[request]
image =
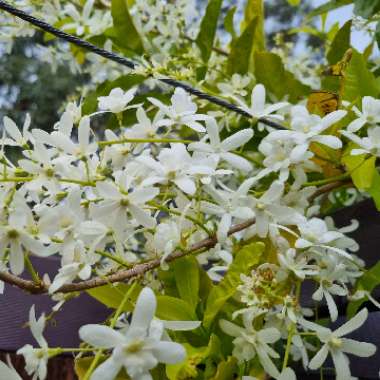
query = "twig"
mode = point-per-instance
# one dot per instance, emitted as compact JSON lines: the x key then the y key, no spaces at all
{"x":141,"y":269}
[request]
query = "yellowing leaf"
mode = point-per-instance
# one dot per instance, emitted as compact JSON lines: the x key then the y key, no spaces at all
{"x":322,"y":102}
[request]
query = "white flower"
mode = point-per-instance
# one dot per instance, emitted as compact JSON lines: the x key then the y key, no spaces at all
{"x":222,"y":149}
{"x":140,"y":347}
{"x":248,"y":342}
{"x":370,"y":114}
{"x":308,"y":128}
{"x":182,"y":111}
{"x":370,"y":144}
{"x":16,"y":137}
{"x":145,"y":128}
{"x":229,"y":205}
{"x":258,"y":108}
{"x":117,"y":101}
{"x":314,"y":232}
{"x":174,"y":165}
{"x":236,"y":86}
{"x":120,"y":200}
{"x":338,"y":347}
{"x":298,"y":264}
{"x":36,"y":358}
{"x":268,"y":209}
{"x":16,"y":236}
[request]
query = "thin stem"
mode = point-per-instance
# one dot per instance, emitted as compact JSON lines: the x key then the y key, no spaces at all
{"x":326,"y":181}
{"x":31,"y":270}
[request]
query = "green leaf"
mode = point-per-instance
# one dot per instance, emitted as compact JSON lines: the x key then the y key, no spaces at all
{"x":270,"y":71}
{"x":207,"y":32}
{"x":361,"y":169}
{"x":112,"y":295}
{"x":340,"y":44}
{"x":247,"y":257}
{"x":241,"y":50}
{"x":294,"y":3}
{"x":377,"y":34}
{"x":359,"y":81}
{"x":374,"y":190}
{"x":127,"y":35}
{"x":368,"y":282}
{"x":186,"y":272}
{"x":328,"y":6}
{"x":174,"y":309}
{"x":229,"y":22}
{"x":366,"y":8}
{"x":255,"y":10}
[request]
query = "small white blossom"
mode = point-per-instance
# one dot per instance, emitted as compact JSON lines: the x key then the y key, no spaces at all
{"x":117,"y":101}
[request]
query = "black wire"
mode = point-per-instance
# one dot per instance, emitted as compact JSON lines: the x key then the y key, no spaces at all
{"x":127,"y":62}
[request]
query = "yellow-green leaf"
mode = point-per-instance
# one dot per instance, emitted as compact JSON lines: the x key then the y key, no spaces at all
{"x":127,"y":35}
{"x":174,"y":309}
{"x":361,"y":168}
{"x":186,"y":273}
{"x":112,"y":295}
{"x":244,"y":260}
{"x":359,"y":81}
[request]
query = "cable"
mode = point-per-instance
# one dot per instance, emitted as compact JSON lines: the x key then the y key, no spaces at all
{"x":127,"y":62}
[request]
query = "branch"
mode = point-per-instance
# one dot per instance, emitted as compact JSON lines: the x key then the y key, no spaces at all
{"x":141,"y":269}
{"x":124,"y":275}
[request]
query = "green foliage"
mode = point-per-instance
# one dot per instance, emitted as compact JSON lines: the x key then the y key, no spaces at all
{"x":207,"y":32}
{"x":112,"y":295}
{"x":127,"y":36}
{"x":374,"y":190}
{"x":365,"y":8}
{"x":248,"y":256}
{"x":294,"y":3}
{"x":361,"y":168}
{"x":254,"y":9}
{"x":186,"y":272}
{"x":359,"y":81}
{"x":340,"y":44}
{"x":174,"y":309}
{"x":229,"y":22}
{"x":241,"y":50}
{"x":270,"y":71}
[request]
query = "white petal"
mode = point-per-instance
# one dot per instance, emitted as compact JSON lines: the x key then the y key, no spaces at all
{"x":331,"y":141}
{"x":213,"y":131}
{"x":361,"y":349}
{"x":144,"y":310}
{"x":181,"y":325}
{"x":107,"y":370}
{"x":16,"y":258}
{"x":356,"y":124}
{"x":186,"y":184}
{"x":352,"y":324}
{"x":223,"y":227}
{"x":230,"y":328}
{"x":258,"y":99}
{"x":237,"y":140}
{"x":287,"y":374}
{"x":319,"y":358}
{"x":142,"y":217}
{"x":333,"y":310}
{"x":12,"y":129}
{"x":101,"y":336}
{"x":341,"y":364}
{"x":237,"y":161}
{"x":143,"y":195}
{"x":269,"y":335}
{"x":169,"y":352}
